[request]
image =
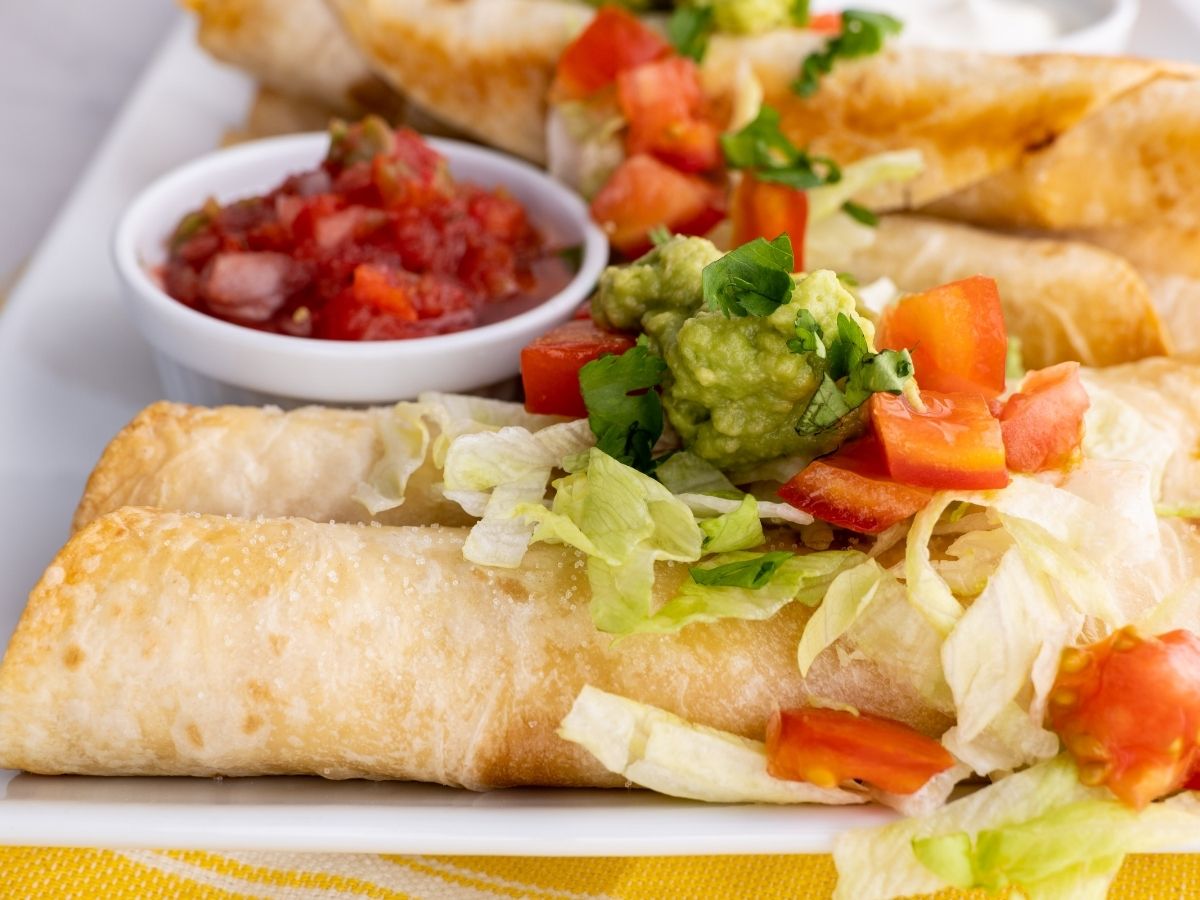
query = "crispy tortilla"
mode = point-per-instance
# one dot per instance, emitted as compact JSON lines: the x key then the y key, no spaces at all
{"x":1168,"y":259}
{"x":251,"y":461}
{"x":168,"y":644}
{"x":970,"y":114}
{"x":297,"y":48}
{"x":485,"y":65}
{"x":1132,"y":163}
{"x":481,"y":65}
{"x":1064,"y":299}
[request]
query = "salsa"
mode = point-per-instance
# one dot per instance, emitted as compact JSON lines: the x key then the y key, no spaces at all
{"x":378,"y":242}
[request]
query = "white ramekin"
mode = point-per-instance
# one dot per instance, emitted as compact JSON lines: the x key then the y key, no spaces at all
{"x":205,"y":360}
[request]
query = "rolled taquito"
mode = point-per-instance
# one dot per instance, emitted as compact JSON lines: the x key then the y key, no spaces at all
{"x":295,"y":47}
{"x":1168,"y":259}
{"x":1065,"y":300}
{"x":486,"y":65}
{"x":250,"y":461}
{"x":1132,"y":163}
{"x":312,"y":462}
{"x":168,"y":644}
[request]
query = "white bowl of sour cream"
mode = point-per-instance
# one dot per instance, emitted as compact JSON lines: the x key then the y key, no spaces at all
{"x":1012,"y":26}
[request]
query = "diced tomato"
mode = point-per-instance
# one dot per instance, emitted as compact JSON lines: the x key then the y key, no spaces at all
{"x":550,"y":365}
{"x":825,"y":23}
{"x":851,"y":489}
{"x":345,"y":318}
{"x":828,"y":747}
{"x":1128,"y":710}
{"x":956,"y":335}
{"x":250,"y":286}
{"x":644,"y":193}
{"x":763,"y":209}
{"x":955,"y":443}
{"x":373,"y":287}
{"x":1043,"y":422}
{"x":664,"y":105}
{"x":615,"y":40}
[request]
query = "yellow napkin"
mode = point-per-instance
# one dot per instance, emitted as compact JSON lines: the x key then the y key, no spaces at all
{"x":45,"y":874}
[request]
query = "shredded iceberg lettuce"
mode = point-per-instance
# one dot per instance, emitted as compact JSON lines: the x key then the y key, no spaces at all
{"x":847,"y":599}
{"x":738,"y":529}
{"x":686,"y":473}
{"x":710,"y":505}
{"x":624,"y":521}
{"x":491,"y":474}
{"x":880,"y":863}
{"x":894,"y":166}
{"x":406,"y":439}
{"x":833,"y":236}
{"x":1072,"y":850}
{"x":804,"y":579}
{"x":1115,"y":429}
{"x":416,"y":431}
{"x":657,"y":750}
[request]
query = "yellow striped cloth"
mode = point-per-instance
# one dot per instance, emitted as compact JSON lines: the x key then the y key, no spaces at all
{"x":36,"y":873}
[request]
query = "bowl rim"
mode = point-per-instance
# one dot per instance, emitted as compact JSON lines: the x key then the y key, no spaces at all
{"x":1119,"y":16}
{"x":130,"y":228}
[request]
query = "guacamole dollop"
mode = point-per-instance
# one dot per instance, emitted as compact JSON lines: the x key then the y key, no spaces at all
{"x":751,"y":16}
{"x":734,"y":390}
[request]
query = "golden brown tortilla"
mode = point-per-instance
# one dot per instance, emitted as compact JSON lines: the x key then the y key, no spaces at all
{"x":251,"y":461}
{"x":168,"y":644}
{"x":1065,"y":300}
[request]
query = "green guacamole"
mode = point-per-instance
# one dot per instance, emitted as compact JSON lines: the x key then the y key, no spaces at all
{"x":733,"y":16}
{"x":734,"y":390}
{"x":751,"y":16}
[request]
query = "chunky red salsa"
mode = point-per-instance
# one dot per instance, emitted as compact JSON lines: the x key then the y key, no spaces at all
{"x":378,"y":242}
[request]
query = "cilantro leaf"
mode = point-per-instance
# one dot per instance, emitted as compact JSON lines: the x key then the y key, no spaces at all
{"x":882,"y":372}
{"x":689,"y":28}
{"x":847,"y":349}
{"x":860,"y":213}
{"x":753,"y":280}
{"x":751,"y":573}
{"x":800,"y":14}
{"x":827,"y":407}
{"x":626,"y":425}
{"x":863,"y":33}
{"x":809,"y":336}
{"x":848,"y":359}
{"x":764,"y":149}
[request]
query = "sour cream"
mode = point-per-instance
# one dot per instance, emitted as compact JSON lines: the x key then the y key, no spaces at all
{"x":998,"y":25}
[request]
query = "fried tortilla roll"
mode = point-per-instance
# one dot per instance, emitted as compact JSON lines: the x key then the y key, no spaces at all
{"x":248,"y":461}
{"x":296,"y":47}
{"x":1065,"y":300}
{"x":1132,"y":163}
{"x":484,"y":66}
{"x":1168,"y":259}
{"x":167,"y":644}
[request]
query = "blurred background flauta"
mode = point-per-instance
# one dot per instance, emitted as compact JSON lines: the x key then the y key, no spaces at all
{"x":66,"y":66}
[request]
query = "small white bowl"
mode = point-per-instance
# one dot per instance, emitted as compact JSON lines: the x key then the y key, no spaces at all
{"x":205,"y":360}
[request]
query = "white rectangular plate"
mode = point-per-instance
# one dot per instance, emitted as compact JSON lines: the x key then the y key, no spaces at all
{"x":72,"y":372}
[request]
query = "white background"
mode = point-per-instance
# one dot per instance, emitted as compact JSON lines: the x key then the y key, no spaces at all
{"x":66,"y":66}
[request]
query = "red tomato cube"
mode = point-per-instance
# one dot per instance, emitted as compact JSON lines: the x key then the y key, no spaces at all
{"x":955,"y":443}
{"x":956,"y":334}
